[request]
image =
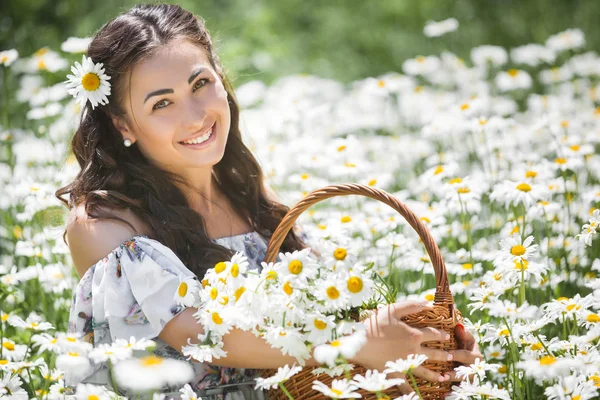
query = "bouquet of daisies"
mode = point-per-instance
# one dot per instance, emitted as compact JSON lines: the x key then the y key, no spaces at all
{"x":295,"y":304}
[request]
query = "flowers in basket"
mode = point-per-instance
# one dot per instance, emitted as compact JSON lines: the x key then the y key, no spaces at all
{"x":296,"y":304}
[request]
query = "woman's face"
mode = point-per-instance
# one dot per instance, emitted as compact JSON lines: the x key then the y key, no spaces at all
{"x":177,"y":109}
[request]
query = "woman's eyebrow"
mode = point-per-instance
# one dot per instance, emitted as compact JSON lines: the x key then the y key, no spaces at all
{"x":158,"y":92}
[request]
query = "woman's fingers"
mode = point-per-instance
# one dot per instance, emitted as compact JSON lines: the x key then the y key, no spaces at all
{"x":435,"y":354}
{"x":465,"y":357}
{"x":404,"y":387}
{"x":403,"y":309}
{"x":429,"y":375}
{"x":434,"y":335}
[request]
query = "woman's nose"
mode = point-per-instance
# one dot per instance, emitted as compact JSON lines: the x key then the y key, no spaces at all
{"x":194,"y":116}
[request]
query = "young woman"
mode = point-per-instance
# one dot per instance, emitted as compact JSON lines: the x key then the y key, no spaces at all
{"x":168,"y":188}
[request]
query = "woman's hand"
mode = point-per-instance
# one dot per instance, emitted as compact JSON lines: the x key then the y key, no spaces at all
{"x":388,"y":338}
{"x":468,"y":349}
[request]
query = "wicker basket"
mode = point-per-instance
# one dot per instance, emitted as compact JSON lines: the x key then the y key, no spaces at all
{"x":443,"y":316}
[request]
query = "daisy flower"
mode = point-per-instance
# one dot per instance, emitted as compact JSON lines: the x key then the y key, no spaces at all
{"x":283,"y":374}
{"x":152,"y":373}
{"x":439,"y":28}
{"x":203,"y":351}
{"x":332,"y":293}
{"x":216,"y":319}
{"x":568,"y":39}
{"x":346,"y":346}
{"x":135,"y":344}
{"x":187,"y":292}
{"x":88,"y":82}
{"x":74,"y":364}
{"x":7,"y":57}
{"x":375,"y":381}
{"x":520,"y":192}
{"x":289,"y":340}
{"x":187,"y":393}
{"x":45,"y":342}
{"x":88,"y":391}
{"x":297,"y":265}
{"x":319,"y":327}
{"x":405,"y":365}
{"x":513,"y":79}
{"x":12,"y":351}
{"x":514,"y":250}
{"x":573,"y":386}
{"x":105,"y":351}
{"x":588,"y":231}
{"x":33,"y":322}
{"x":10,"y":386}
{"x":340,"y":389}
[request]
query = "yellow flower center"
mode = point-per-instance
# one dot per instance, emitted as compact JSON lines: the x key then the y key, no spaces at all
{"x":425,"y":219}
{"x":335,"y":343}
{"x":332,"y":292}
{"x":438,"y":170}
{"x":220,"y":267}
{"x":204,"y":283}
{"x":503,"y":332}
{"x":502,"y":369}
{"x":464,"y":106}
{"x":517,"y":250}
{"x":522,"y":265}
{"x":93,"y":397}
{"x":372,"y":182}
{"x":513,"y":72}
{"x":346,"y":218}
{"x":341,"y":148}
{"x":304,"y":176}
{"x":464,"y":190}
{"x":288,"y":289}
{"x":593,"y":318}
{"x":320,"y":324}
{"x":536,"y":346}
{"x":355,"y":284}
{"x":216,"y":318}
{"x":429,"y":297}
{"x":8,"y":346}
{"x":182,"y":289}
{"x":214,"y":293}
{"x":239,"y":292}
{"x":524,"y":187}
{"x":455,"y":180}
{"x":295,"y":267}
{"x":90,"y":82}
{"x":467,"y":266}
{"x":3,"y":362}
{"x":235,"y":270}
{"x":336,"y":392}
{"x":339,"y":254}
{"x":73,"y":354}
{"x":150,"y":361}
{"x":547,"y":360}
{"x":530,"y":174}
{"x":560,"y":160}
{"x":271,"y":275}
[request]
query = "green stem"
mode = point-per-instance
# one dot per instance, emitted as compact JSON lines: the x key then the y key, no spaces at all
{"x":414,"y":384}
{"x":282,"y":387}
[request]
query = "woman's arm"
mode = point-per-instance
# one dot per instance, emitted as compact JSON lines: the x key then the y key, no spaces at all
{"x":244,"y":350}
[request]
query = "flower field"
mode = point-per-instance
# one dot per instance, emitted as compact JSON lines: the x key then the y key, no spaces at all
{"x":498,"y":155}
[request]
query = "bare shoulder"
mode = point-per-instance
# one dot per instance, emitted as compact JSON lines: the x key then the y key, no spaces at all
{"x":90,"y":240}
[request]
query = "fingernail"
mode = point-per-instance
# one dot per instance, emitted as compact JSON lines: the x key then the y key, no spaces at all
{"x":450,"y":357}
{"x":460,"y":326}
{"x":441,"y":379}
{"x":447,"y":337}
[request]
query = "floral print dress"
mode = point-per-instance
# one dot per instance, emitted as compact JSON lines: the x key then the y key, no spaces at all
{"x":130,"y":293}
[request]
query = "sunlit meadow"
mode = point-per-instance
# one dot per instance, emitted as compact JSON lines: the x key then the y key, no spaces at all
{"x":497,"y":155}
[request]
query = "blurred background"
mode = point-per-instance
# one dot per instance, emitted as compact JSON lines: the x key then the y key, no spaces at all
{"x":339,"y":39}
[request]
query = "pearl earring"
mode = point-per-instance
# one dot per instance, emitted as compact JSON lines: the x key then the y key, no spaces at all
{"x":127,"y":142}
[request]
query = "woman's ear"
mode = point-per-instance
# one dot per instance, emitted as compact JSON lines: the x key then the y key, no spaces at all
{"x":121,"y":124}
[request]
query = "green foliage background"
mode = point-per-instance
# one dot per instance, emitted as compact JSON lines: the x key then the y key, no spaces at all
{"x":341,"y":39}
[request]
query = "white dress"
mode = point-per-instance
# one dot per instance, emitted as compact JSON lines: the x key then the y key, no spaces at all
{"x":130,"y":293}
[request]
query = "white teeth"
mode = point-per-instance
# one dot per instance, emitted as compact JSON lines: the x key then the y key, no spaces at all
{"x":199,"y":139}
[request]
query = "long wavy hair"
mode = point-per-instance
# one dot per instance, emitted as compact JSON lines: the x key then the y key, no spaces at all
{"x":113,"y":176}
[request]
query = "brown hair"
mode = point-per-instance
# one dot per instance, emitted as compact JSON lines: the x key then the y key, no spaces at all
{"x":113,"y":176}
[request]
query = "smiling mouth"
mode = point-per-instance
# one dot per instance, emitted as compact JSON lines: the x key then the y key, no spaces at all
{"x":200,"y":138}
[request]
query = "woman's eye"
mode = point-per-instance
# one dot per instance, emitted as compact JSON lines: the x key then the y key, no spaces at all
{"x":200,"y":80}
{"x":156,"y":105}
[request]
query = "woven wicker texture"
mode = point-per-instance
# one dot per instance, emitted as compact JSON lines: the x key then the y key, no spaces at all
{"x":444,"y":316}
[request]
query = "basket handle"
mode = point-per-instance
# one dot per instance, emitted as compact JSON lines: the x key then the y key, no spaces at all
{"x":443,"y":296}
